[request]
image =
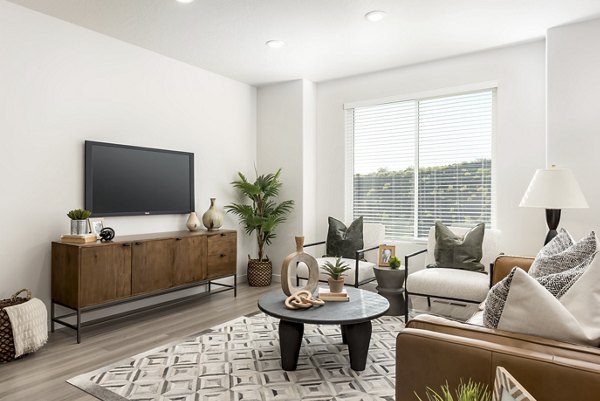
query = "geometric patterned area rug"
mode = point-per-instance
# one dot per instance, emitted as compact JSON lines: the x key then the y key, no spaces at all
{"x":240,"y":361}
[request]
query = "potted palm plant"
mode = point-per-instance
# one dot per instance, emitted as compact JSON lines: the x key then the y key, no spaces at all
{"x":336,"y":273}
{"x":262,"y":216}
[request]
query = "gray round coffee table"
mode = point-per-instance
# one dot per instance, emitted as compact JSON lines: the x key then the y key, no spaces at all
{"x":353,"y":316}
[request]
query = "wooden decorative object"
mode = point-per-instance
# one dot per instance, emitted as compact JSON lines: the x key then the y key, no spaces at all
{"x":293,"y":260}
{"x":385,"y":254}
{"x":93,"y":275}
{"x":302,"y":300}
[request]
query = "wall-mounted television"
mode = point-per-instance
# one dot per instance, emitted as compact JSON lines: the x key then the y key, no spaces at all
{"x":123,"y":180}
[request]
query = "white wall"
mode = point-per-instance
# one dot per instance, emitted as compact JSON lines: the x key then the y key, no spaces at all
{"x":573,"y":59}
{"x":309,"y":161}
{"x":279,"y":138}
{"x":519,"y":143}
{"x":60,"y":85}
{"x":286,"y":125}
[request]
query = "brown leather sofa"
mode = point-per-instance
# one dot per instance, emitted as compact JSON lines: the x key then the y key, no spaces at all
{"x":433,"y":350}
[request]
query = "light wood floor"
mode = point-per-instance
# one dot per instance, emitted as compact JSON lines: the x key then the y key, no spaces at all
{"x":41,"y":376}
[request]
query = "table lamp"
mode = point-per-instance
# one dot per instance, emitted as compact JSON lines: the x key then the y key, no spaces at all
{"x":553,"y":189}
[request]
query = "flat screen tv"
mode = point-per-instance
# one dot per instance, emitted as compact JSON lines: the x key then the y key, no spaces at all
{"x":125,"y":180}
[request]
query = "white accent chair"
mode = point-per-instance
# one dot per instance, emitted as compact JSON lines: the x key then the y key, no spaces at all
{"x":361,"y":271}
{"x":452,"y":284}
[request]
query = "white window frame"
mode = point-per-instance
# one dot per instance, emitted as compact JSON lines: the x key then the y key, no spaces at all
{"x":457,"y":90}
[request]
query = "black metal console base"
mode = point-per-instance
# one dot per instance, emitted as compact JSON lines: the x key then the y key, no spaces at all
{"x":78,"y":312}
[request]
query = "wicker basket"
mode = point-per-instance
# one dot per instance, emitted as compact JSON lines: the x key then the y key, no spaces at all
{"x":259,"y":273}
{"x":7,"y":344}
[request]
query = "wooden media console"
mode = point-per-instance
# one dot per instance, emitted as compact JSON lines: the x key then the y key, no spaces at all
{"x":97,"y":275}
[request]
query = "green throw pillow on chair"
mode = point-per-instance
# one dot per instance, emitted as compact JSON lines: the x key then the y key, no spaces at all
{"x":344,"y":241}
{"x":458,"y":252}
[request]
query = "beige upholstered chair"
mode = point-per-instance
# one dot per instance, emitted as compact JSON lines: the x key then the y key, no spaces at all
{"x":361,"y":270}
{"x":451,"y":284}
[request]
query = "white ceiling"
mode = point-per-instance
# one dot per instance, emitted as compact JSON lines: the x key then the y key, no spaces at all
{"x":325,"y":39}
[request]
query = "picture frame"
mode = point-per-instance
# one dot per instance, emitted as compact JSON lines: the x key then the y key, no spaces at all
{"x":507,"y":388}
{"x":385,"y":253}
{"x":96,"y":225}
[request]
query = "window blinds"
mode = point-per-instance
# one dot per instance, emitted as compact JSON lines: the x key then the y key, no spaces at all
{"x":417,"y":161}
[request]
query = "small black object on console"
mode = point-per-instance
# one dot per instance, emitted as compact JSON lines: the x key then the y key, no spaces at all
{"x":107,"y":234}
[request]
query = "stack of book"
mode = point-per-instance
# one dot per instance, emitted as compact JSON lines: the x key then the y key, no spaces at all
{"x":329,"y":296}
{"x":79,"y":238}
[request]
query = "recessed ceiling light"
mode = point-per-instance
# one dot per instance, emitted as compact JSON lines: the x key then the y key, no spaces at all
{"x":185,"y":1}
{"x":375,"y":15}
{"x":275,"y":44}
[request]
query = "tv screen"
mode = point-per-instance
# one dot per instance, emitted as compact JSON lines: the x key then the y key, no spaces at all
{"x":125,"y":180}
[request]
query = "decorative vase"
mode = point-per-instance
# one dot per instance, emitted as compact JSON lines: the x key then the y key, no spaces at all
{"x":79,"y":227}
{"x":213,"y":217}
{"x":193,"y":223}
{"x":259,"y":273}
{"x":336,"y":285}
{"x":291,"y":261}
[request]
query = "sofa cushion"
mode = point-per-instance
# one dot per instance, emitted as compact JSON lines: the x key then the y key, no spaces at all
{"x":344,"y":241}
{"x":365,"y":270}
{"x":476,"y":319}
{"x":490,"y":248}
{"x":449,"y":283}
{"x":496,"y":300}
{"x":557,"y":284}
{"x":562,"y":253}
{"x":571,"y":318}
{"x":454,"y":251}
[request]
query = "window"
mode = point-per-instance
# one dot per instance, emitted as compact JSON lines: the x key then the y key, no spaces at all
{"x":417,"y":161}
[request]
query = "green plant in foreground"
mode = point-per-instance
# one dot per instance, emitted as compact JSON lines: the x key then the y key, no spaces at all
{"x":469,"y":391}
{"x":79,"y":214}
{"x":337,"y":270}
{"x":395,"y":262}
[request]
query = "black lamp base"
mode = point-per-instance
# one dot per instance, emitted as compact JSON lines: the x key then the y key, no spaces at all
{"x":552,"y":219}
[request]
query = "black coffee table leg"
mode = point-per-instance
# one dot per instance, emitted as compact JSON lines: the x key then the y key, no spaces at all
{"x":290,"y":339}
{"x":358,"y":337}
{"x":344,"y":339}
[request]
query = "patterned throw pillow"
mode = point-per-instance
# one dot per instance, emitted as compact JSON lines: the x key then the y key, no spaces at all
{"x":344,"y":241}
{"x":556,"y":283}
{"x":496,"y":299}
{"x":457,"y":251}
{"x":562,"y":254}
{"x":559,"y":283}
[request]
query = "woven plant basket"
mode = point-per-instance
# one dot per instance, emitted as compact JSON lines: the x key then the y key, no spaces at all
{"x":7,"y":343}
{"x":259,"y":273}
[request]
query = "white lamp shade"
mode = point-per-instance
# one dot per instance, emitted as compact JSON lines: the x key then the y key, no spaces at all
{"x":554,"y":188}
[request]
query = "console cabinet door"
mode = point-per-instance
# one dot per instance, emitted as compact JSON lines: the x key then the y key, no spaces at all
{"x":222,"y":251}
{"x":152,"y":265}
{"x":105,"y":274}
{"x":189,"y":260}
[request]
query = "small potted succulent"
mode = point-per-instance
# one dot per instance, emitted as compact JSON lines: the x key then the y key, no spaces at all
{"x":336,"y":273}
{"x":395,"y":263}
{"x":79,"y":221}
